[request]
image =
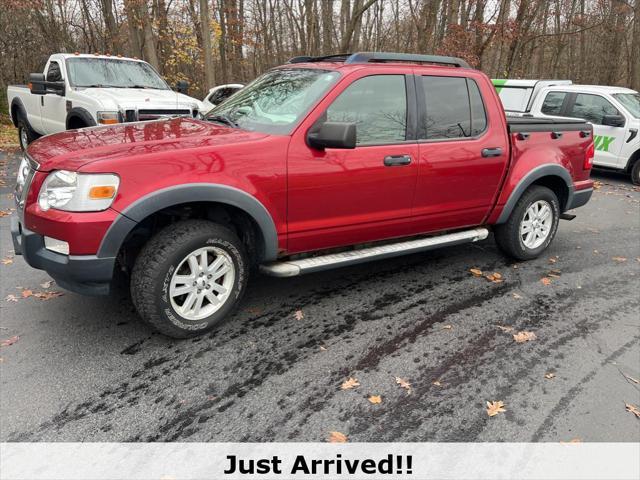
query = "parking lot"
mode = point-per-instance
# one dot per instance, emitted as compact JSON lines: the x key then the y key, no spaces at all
{"x":84,"y":369}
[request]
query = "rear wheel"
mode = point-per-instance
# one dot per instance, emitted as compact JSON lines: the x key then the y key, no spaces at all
{"x":532,"y":224}
{"x":189,"y":277}
{"x":26,"y":134}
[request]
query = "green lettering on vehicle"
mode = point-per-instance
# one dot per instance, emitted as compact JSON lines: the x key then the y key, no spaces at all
{"x":602,"y":142}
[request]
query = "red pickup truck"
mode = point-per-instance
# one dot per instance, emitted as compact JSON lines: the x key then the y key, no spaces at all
{"x":319,"y":163}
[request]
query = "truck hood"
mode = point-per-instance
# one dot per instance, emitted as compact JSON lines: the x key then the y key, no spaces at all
{"x":72,"y":149}
{"x":125,"y":98}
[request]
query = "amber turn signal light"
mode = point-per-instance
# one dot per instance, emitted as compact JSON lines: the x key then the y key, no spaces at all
{"x":102,"y":192}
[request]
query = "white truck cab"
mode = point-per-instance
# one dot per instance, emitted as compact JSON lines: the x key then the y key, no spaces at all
{"x":82,"y":90}
{"x":614,"y":113}
{"x":517,"y":96}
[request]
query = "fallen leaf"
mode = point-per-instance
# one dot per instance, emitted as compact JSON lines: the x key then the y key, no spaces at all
{"x":522,"y":337}
{"x":437,"y":383}
{"x":630,"y":378}
{"x":550,"y":375}
{"x":447,"y":327}
{"x":404,"y":384}
{"x":505,"y":329}
{"x":11,"y":298}
{"x":494,"y":408}
{"x":573,"y":440}
{"x":47,"y":284}
{"x":553,"y":259}
{"x":476,"y":272}
{"x":47,"y":295}
{"x":545,"y":281}
{"x":619,"y":259}
{"x":27,"y":293}
{"x":517,"y":296}
{"x":494,"y":277}
{"x":299,"y":315}
{"x":9,"y":341}
{"x":337,"y":437}
{"x":7,"y":260}
{"x":633,"y":409}
{"x":375,"y":399}
{"x":4,"y":213}
{"x":349,"y":384}
{"x":324,"y":349}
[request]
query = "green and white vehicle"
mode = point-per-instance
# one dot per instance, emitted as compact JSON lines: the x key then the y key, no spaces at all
{"x":613,"y":111}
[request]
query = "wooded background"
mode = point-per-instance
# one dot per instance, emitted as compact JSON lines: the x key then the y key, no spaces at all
{"x":209,"y":42}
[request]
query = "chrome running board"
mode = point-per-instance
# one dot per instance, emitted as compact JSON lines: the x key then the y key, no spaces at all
{"x":291,"y":268}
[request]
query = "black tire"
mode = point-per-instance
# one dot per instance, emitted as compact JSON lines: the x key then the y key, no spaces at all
{"x":163,"y":255}
{"x":508,"y":235}
{"x":25,"y":133}
{"x":635,"y":172}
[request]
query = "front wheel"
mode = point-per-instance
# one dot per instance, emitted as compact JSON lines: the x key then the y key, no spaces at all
{"x":189,"y":277}
{"x":532,"y":224}
{"x":635,"y":172}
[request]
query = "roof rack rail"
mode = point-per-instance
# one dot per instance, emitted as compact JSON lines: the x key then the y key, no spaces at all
{"x":380,"y":57}
{"x":369,"y":57}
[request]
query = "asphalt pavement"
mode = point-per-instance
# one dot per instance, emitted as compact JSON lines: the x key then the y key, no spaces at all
{"x":85,"y":369}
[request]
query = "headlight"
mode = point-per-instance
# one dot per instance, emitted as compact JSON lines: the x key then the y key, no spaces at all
{"x":108,"y":118}
{"x":78,"y":192}
{"x":23,"y":173}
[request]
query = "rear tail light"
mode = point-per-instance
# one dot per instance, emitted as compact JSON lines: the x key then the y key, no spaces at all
{"x":588,"y":156}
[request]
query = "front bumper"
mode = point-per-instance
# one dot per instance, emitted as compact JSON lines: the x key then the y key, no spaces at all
{"x":84,"y":274}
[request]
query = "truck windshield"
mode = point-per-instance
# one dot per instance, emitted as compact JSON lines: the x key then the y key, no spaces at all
{"x":274,"y":102}
{"x":114,"y":73}
{"x":631,"y":101}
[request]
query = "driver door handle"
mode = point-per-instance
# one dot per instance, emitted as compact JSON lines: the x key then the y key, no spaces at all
{"x":397,"y":160}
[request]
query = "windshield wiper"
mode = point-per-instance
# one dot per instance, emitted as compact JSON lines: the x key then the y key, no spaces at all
{"x":223,"y":118}
{"x":144,"y":86}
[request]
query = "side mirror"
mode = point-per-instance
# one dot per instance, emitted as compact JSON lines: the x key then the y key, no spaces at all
{"x":37,"y":84}
{"x":613,"y":120}
{"x":182,"y":86}
{"x":333,"y":135}
{"x":57,"y":87}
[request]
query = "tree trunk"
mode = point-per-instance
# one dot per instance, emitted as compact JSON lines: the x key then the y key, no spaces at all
{"x":207,"y":52}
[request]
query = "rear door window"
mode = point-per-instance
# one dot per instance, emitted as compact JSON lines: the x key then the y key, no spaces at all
{"x":591,"y":108}
{"x":454,"y":108}
{"x":552,"y":104}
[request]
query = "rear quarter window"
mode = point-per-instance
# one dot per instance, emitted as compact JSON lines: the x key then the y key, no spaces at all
{"x":552,"y":104}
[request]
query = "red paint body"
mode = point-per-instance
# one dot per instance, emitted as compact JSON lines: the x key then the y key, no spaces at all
{"x":317,"y":199}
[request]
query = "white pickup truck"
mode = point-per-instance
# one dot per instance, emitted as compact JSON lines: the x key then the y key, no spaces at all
{"x":613,"y":111}
{"x":80,"y":90}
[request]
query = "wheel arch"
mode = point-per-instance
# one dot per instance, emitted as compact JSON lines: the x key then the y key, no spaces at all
{"x":237,"y":203}
{"x":77,"y":115}
{"x":552,"y":176}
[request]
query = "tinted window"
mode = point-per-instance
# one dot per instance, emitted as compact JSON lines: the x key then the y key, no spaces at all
{"x":377,"y":105}
{"x":222,"y":94}
{"x":53,"y":74}
{"x":592,"y":108}
{"x":552,"y":104}
{"x":454,"y":108}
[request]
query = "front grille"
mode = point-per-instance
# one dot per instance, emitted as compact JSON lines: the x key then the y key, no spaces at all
{"x":153,"y":114}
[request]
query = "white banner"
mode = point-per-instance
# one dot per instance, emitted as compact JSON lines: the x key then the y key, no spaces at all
{"x":209,"y":461}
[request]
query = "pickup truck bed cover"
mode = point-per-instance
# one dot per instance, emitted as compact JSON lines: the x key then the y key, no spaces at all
{"x":538,"y":124}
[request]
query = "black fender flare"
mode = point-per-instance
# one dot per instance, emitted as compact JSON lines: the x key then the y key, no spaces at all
{"x":19,"y":106}
{"x":193,"y":192}
{"x":81,"y":113}
{"x":548,"y":170}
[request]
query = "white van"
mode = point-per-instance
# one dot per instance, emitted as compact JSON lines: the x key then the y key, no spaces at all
{"x":614,"y":113}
